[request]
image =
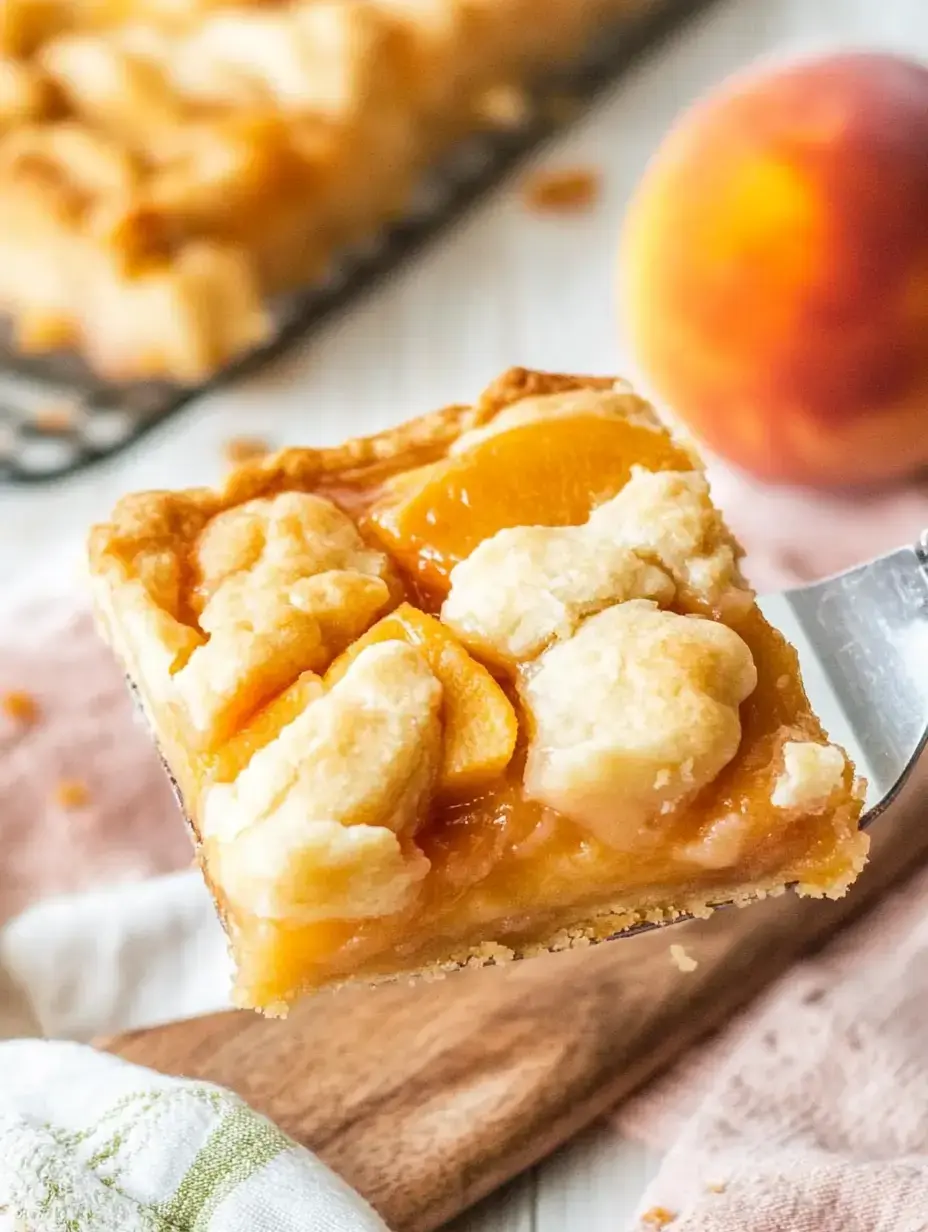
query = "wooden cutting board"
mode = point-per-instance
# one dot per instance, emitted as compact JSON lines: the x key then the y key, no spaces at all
{"x":426,"y":1097}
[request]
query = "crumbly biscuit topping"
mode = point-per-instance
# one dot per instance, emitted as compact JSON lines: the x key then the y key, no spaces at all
{"x":304,"y":874}
{"x":362,"y":757}
{"x":281,"y":539}
{"x":668,"y":517}
{"x":632,"y":716}
{"x":810,"y":776}
{"x":283,"y":585}
{"x":23,"y":95}
{"x":529,"y":585}
{"x":303,"y":58}
{"x":659,"y":538}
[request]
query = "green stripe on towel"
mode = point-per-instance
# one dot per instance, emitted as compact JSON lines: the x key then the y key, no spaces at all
{"x":239,"y":1146}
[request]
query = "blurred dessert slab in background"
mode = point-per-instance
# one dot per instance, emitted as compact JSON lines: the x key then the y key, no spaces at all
{"x":165,"y":167}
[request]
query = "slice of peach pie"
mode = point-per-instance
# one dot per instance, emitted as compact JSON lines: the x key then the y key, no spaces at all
{"x":488,"y":683}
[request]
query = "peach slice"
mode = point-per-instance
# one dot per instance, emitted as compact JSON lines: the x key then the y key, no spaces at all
{"x":479,"y":722}
{"x":264,"y":726}
{"x":435,"y":517}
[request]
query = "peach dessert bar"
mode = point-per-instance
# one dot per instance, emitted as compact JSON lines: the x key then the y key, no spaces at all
{"x":486,"y":683}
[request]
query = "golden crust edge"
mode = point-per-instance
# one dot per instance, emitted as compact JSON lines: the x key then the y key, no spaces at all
{"x":605,"y":923}
{"x":356,"y":458}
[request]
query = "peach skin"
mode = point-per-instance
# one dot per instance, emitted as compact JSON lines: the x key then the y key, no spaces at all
{"x":775,"y":270}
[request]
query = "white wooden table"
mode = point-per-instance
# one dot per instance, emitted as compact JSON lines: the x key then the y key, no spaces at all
{"x":505,"y":287}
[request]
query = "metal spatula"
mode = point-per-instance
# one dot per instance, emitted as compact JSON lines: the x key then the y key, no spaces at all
{"x":862,"y":638}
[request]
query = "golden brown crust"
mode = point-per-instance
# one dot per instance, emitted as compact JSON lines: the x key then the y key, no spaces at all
{"x":607,"y":922}
{"x":518,"y":383}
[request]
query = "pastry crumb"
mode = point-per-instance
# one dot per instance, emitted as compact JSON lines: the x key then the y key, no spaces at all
{"x":55,"y":417}
{"x":21,"y":707}
{"x":681,"y":960}
{"x":811,"y":774}
{"x":658,"y":1217}
{"x":72,"y":794}
{"x":504,"y":106}
{"x":244,"y":448}
{"x":716,"y":1187}
{"x":489,"y":954}
{"x":563,"y":192}
{"x":432,"y":975}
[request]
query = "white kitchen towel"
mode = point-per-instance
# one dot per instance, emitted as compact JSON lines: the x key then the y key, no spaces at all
{"x":104,"y":926}
{"x":114,"y":959}
{"x":90,"y":1143}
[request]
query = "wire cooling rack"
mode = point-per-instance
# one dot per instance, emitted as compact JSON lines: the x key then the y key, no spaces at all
{"x":56,"y":417}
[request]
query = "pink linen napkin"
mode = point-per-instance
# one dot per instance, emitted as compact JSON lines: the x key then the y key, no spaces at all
{"x":810,"y":1114}
{"x":85,"y":742}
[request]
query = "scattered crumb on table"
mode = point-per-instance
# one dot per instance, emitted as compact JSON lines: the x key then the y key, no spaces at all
{"x":504,"y":106}
{"x":21,"y":707}
{"x":243,"y":448}
{"x":564,"y":191}
{"x":716,"y":1187}
{"x":55,"y":416}
{"x":681,"y":960}
{"x":71,"y":794}
{"x":658,"y":1217}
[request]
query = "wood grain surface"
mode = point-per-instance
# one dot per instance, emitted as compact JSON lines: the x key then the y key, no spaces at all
{"x":425,"y":1097}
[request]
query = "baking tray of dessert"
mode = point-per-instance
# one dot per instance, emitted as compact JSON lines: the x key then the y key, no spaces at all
{"x":179,"y":202}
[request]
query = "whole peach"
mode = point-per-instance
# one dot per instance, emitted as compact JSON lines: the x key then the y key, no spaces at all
{"x":775,"y":269}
